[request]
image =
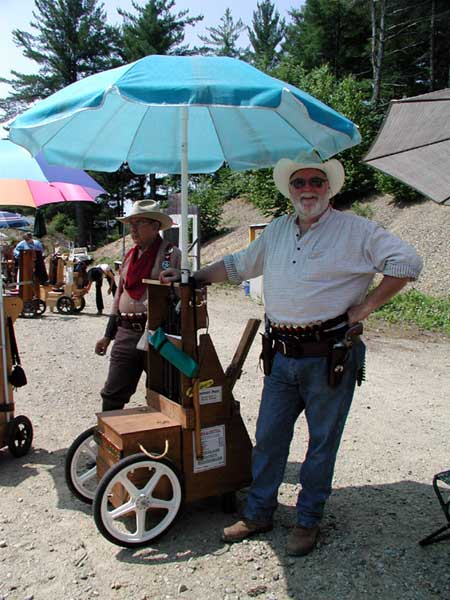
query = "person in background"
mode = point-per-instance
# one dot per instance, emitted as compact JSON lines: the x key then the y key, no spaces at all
{"x":318,"y":264}
{"x":80,"y":271}
{"x":28,"y":243}
{"x":97,"y":274}
{"x":148,"y":257}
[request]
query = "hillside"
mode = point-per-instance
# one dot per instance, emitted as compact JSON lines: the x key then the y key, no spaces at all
{"x":425,"y":225}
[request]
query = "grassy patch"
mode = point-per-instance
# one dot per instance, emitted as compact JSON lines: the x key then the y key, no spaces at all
{"x":414,"y":307}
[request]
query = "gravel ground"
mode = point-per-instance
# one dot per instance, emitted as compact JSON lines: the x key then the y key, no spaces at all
{"x":383,"y":503}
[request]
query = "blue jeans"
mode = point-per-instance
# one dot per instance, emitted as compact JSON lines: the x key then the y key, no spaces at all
{"x":294,"y":385}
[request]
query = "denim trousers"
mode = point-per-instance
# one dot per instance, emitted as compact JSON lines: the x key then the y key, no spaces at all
{"x":296,"y":385}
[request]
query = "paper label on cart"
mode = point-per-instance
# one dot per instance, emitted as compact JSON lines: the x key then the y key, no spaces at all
{"x":213,"y":446}
{"x":211,"y":395}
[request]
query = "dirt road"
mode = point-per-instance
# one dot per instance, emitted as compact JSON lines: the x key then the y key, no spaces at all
{"x":396,"y":438}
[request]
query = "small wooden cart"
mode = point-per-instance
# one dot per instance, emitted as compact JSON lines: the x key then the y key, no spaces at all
{"x":187,"y":444}
{"x":67,"y":298}
{"x":16,"y":433}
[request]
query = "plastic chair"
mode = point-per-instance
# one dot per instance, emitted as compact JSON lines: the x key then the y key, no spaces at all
{"x":443,"y":495}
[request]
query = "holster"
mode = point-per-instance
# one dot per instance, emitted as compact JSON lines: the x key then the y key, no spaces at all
{"x":336,"y":362}
{"x":267,"y":352}
{"x":339,"y":351}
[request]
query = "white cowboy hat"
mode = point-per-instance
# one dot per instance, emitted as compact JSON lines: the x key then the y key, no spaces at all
{"x":285,"y":167}
{"x":148,"y":209}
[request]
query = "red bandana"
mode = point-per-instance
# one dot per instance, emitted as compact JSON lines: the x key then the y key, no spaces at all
{"x":140,"y":268}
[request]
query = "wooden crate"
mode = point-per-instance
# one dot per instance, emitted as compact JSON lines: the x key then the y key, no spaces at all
{"x":120,"y":434}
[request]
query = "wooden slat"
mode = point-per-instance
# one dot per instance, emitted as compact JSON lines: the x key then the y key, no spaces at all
{"x":234,"y":370}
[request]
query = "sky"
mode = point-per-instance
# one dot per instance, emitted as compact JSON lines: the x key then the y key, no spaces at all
{"x":17,"y":14}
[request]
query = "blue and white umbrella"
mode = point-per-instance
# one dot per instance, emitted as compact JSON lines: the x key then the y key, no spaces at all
{"x":181,"y":114}
{"x":15,"y":220}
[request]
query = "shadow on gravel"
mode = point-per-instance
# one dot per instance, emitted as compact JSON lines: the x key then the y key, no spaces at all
{"x":368,"y":547}
{"x":14,"y":471}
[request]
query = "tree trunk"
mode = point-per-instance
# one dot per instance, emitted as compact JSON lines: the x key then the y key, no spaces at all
{"x":80,"y":215}
{"x":378,"y":41}
{"x":432,"y":46}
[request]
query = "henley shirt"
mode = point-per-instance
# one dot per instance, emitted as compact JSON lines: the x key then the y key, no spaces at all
{"x":324,"y":272}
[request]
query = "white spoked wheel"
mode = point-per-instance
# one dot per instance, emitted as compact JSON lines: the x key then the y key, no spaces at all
{"x":81,"y":467}
{"x":137,"y":500}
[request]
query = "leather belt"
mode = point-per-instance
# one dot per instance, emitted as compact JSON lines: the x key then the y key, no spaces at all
{"x":301,"y":350}
{"x":312,"y":329}
{"x":137,"y":326}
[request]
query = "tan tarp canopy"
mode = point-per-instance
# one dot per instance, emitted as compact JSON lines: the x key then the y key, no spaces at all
{"x":413,"y":144}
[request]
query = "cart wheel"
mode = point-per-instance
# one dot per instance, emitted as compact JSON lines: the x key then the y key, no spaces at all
{"x":39,"y":307}
{"x":28,"y":310}
{"x":19,"y":436}
{"x":64,"y":305}
{"x":137,"y":500}
{"x":79,"y":304}
{"x":80,"y":467}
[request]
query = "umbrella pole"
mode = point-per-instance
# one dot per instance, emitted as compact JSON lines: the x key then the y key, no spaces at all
{"x":3,"y":349}
{"x":184,"y":195}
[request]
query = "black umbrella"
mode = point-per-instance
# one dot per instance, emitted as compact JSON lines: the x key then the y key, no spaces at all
{"x":413,"y":144}
{"x":39,"y":229}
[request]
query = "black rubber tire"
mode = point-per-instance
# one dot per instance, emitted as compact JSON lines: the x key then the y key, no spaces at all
{"x":64,"y":305}
{"x":40,"y":307}
{"x":19,"y":436}
{"x":28,"y":310}
{"x":69,"y":466}
{"x":82,"y":304}
{"x":102,"y":488}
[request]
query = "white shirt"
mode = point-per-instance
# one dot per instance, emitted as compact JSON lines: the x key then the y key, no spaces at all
{"x":322,"y":273}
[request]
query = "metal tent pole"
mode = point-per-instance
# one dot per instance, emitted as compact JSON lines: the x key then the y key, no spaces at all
{"x":184,"y":195}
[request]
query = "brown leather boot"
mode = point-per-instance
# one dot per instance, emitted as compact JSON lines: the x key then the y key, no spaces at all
{"x":302,"y":540}
{"x":244,"y":529}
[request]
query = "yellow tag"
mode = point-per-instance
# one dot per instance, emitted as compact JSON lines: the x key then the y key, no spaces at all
{"x":203,"y":385}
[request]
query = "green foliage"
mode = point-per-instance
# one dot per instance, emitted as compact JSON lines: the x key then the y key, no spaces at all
{"x":154,"y":29}
{"x":414,"y":307}
{"x":401,"y":192}
{"x":263,"y":193}
{"x":266,"y":34}
{"x":210,"y":202}
{"x":62,"y":223}
{"x":333,"y":32}
{"x":362,"y":210}
{"x":223,"y":38}
{"x":72,"y":40}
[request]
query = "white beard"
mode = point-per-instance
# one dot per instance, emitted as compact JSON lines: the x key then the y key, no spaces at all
{"x":316,"y":210}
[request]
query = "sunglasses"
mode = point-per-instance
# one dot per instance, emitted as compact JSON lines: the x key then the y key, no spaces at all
{"x":316,"y":182}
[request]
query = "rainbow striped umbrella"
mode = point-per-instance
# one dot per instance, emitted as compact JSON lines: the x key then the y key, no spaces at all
{"x":28,"y":181}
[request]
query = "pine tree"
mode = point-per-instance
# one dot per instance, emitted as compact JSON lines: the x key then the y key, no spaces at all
{"x":154,"y":29}
{"x":223,"y":38}
{"x":266,"y":34}
{"x":71,"y":41}
{"x":333,"y":32}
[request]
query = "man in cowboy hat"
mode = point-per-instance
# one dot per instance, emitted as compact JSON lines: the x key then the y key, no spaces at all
{"x":317,"y":264}
{"x":150,"y":255}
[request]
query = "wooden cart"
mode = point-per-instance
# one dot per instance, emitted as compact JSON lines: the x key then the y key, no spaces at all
{"x":16,"y":433}
{"x":67,"y":298}
{"x":187,"y":444}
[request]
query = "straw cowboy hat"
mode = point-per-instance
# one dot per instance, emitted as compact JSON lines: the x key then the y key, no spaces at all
{"x":148,"y":209}
{"x":285,"y":168}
